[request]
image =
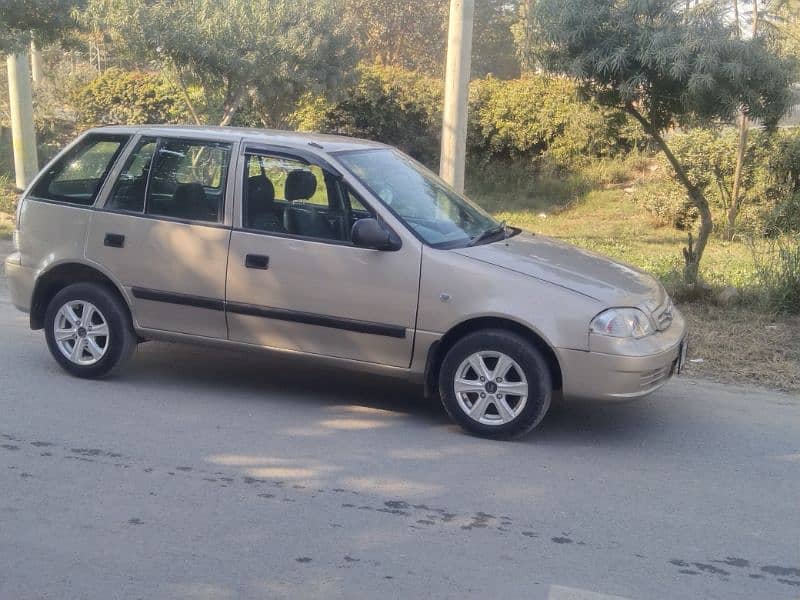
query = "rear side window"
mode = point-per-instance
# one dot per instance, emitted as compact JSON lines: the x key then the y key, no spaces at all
{"x":76,"y":178}
{"x":187,"y":180}
{"x":181,"y":179}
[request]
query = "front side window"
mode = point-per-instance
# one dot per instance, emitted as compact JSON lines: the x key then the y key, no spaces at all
{"x":287,"y":196}
{"x":427,"y":205}
{"x":76,"y":178}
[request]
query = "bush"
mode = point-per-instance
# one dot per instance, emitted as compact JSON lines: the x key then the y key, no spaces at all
{"x":783,"y":188}
{"x":390,"y":104}
{"x":540,"y":115}
{"x":668,"y":202}
{"x":527,"y":119}
{"x":709,"y":157}
{"x":128,"y":97}
{"x":778,"y":272}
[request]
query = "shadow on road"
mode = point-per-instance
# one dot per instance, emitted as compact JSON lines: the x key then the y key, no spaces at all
{"x":242,"y":374}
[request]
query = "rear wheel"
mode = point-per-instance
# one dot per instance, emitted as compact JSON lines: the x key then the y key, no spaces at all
{"x":88,"y":330}
{"x":495,"y":384}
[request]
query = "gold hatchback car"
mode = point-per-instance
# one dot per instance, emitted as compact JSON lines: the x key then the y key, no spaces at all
{"x":337,"y":248}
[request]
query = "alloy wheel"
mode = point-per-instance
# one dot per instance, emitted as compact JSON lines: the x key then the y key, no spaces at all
{"x":491,"y":388}
{"x":81,"y":332}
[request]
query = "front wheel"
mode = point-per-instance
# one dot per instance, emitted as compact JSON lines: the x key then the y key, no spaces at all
{"x":88,"y":330}
{"x":495,"y":384}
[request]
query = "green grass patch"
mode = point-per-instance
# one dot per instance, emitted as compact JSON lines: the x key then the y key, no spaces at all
{"x":605,"y":218}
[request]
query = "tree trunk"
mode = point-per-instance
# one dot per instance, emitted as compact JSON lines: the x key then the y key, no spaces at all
{"x":733,"y":209}
{"x":744,"y":129}
{"x":693,"y":252}
{"x":186,"y":99}
{"x":233,"y":100}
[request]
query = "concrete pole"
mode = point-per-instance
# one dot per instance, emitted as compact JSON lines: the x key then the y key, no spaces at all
{"x":26,"y":163}
{"x":456,"y":92}
{"x":36,"y":63}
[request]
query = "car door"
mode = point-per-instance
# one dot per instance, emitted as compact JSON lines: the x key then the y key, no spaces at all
{"x":296,"y":282}
{"x":162,"y":233}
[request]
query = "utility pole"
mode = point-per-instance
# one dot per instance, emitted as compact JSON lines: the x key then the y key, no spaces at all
{"x":456,"y":91}
{"x":26,"y":163}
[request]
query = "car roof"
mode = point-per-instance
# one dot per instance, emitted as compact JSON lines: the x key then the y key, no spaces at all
{"x":326,"y":143}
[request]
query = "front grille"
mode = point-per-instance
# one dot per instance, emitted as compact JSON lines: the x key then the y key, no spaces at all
{"x":663,"y":315}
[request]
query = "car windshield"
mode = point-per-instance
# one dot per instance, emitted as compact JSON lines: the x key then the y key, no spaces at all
{"x":425,"y":203}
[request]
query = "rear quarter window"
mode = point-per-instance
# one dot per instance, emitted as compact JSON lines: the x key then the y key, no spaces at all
{"x":76,"y":177}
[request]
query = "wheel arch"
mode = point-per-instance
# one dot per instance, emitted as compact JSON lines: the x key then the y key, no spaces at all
{"x":59,"y":276}
{"x":440,"y":348}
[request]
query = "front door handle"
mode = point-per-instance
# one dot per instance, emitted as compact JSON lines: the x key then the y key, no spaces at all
{"x":256,"y":261}
{"x":114,"y":240}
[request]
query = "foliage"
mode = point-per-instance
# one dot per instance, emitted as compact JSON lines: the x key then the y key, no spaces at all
{"x":128,"y":97}
{"x":662,"y":64}
{"x":541,"y":115}
{"x":493,"y":49}
{"x":389,"y":104}
{"x":20,"y":20}
{"x":413,"y":34}
{"x":271,"y":50}
{"x":667,"y":201}
{"x":782,"y":171}
{"x":509,"y":120}
{"x":407,"y":34}
{"x":777,"y":268}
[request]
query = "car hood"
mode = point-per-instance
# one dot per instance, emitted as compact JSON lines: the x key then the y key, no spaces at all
{"x":608,"y":281}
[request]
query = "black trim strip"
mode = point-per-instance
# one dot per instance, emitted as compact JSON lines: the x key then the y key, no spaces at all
{"x":183,"y":299}
{"x":279,"y":314}
{"x":282,"y":314}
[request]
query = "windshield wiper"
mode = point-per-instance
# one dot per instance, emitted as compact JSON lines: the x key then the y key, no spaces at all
{"x":492,"y":231}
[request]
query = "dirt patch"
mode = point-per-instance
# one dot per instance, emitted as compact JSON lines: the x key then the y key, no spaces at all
{"x":738,"y":345}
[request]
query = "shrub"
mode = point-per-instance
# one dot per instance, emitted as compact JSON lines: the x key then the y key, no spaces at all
{"x":782,"y":190}
{"x":667,"y":201}
{"x":778,"y":272}
{"x":540,"y":115}
{"x":389,"y":104}
{"x":535,"y":117}
{"x":709,"y":157}
{"x":128,"y":97}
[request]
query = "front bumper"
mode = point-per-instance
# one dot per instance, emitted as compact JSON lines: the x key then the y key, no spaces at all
{"x":20,"y":282}
{"x":615,"y":377}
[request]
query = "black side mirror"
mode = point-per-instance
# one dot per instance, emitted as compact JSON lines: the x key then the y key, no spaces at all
{"x":368,"y":233}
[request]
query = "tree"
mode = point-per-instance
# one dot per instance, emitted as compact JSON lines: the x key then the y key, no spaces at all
{"x":409,"y":34}
{"x":413,"y":34}
{"x":48,"y":19}
{"x":664,"y":66}
{"x":269,"y":51}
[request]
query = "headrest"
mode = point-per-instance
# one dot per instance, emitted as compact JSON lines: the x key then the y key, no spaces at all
{"x":260,"y":190}
{"x":300,"y":185}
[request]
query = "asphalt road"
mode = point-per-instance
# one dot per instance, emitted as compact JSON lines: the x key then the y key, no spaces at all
{"x":196,"y":473}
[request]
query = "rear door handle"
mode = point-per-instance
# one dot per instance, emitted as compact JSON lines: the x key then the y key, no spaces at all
{"x":114,"y":240}
{"x":256,"y":261}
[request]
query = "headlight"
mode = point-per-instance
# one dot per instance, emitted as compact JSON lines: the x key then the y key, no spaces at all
{"x":622,"y":323}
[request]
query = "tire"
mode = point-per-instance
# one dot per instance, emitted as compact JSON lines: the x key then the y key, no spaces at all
{"x":503,"y":412}
{"x":97,"y":355}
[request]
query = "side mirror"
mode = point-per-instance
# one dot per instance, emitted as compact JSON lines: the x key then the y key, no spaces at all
{"x":368,"y":233}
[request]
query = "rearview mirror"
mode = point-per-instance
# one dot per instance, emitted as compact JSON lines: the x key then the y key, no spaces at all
{"x":368,"y":233}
